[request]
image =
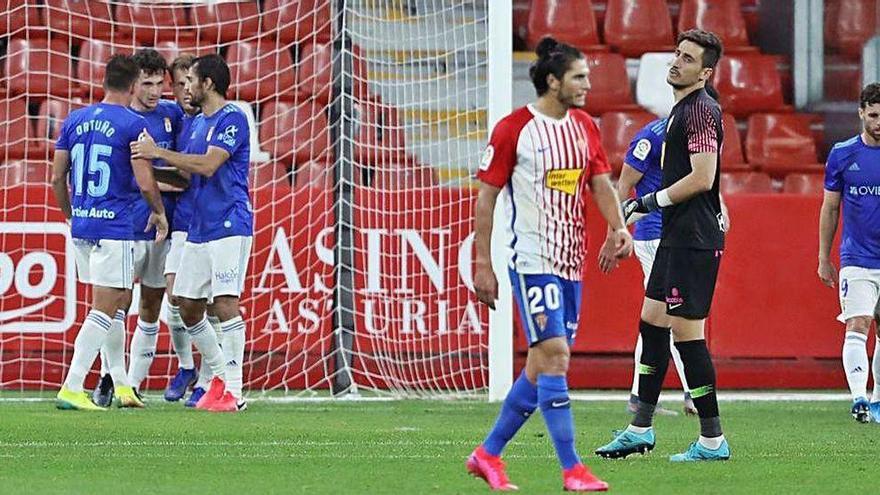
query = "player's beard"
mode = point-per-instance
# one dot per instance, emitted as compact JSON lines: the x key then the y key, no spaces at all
{"x":874,"y":135}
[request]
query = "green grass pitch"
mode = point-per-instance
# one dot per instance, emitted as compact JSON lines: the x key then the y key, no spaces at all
{"x":412,"y":447}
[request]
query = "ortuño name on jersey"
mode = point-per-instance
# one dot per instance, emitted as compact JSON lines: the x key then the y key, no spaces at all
{"x":105,"y":127}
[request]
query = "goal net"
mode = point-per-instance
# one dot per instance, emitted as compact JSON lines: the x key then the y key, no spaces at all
{"x":369,"y":118}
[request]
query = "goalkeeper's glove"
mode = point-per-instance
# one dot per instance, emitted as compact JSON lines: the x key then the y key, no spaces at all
{"x":643,"y":205}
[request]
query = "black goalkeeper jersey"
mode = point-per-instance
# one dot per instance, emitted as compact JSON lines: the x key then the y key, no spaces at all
{"x":694,"y":126}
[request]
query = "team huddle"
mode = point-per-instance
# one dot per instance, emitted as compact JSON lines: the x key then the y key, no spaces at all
{"x":156,"y":192}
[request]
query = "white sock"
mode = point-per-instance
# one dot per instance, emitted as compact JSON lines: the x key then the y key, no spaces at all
{"x":233,"y":354}
{"x":637,"y":429}
{"x":638,"y":356}
{"x":215,"y":324}
{"x":113,"y":351}
{"x":103,"y":356}
{"x":875,"y":367}
{"x":205,"y":341}
{"x":679,"y":366}
{"x":855,"y":363}
{"x":180,"y":339}
{"x":713,"y":443}
{"x":205,"y":374}
{"x":143,"y":349}
{"x":86,"y":347}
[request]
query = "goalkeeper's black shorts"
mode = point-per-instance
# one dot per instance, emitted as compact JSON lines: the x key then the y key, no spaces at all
{"x":684,"y":279}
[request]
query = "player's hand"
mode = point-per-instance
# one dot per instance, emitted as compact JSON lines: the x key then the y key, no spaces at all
{"x":622,"y":242}
{"x":645,"y":204}
{"x":485,"y":284}
{"x":160,"y":223}
{"x":607,"y":256}
{"x":827,"y":273}
{"x":145,"y":147}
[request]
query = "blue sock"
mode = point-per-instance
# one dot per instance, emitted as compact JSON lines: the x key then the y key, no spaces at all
{"x":556,"y":408}
{"x":518,"y":406}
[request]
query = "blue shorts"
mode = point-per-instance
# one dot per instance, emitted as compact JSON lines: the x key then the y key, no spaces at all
{"x":549,"y":306}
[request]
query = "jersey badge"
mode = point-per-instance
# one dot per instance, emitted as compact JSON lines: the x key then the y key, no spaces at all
{"x":642,"y":149}
{"x":210,"y":133}
{"x":486,"y":159}
{"x":167,"y":124}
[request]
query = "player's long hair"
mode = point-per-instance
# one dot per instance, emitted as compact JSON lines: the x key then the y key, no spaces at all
{"x":553,"y":58}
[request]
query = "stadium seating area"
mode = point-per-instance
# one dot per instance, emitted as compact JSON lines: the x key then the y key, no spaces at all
{"x":285,"y":74}
{"x":764,"y":139}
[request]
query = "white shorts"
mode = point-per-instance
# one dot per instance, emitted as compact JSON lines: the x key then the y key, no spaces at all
{"x":107,"y":262}
{"x":214,"y":268}
{"x":175,"y":252}
{"x":151,"y":266}
{"x":646,"y":251}
{"x":859,"y":291}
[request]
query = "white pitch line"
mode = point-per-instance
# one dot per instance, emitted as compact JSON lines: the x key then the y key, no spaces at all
{"x":610,"y":396}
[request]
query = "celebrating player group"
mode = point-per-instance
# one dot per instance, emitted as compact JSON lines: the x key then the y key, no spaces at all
{"x":127,"y":171}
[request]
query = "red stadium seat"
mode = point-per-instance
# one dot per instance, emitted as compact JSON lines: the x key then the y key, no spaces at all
{"x":93,"y":57}
{"x":748,"y":83}
{"x":50,"y":116}
{"x":521,"y":12}
{"x":609,"y":84}
{"x":781,"y":143}
{"x":745,"y":182}
{"x":379,"y":135}
{"x":732,"y":159}
{"x":21,"y":172}
{"x":618,"y":129}
{"x":36,"y":66}
{"x":259,"y":70}
{"x":294,"y":133}
{"x":82,"y":19}
{"x":568,"y":21}
{"x":269,"y":174}
{"x":314,"y":174}
{"x":314,"y":74}
{"x":15,"y":128}
{"x":722,"y":17}
{"x":21,"y":18}
{"x":813,"y":184}
{"x":402,"y":178}
{"x":219,"y":22}
{"x":172,"y":49}
{"x":849,"y":24}
{"x":298,"y":21}
{"x":633,"y":27}
{"x":150,"y":23}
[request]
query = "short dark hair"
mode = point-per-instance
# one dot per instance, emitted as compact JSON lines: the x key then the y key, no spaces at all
{"x":121,"y":73}
{"x":215,"y":67}
{"x":711,"y":44}
{"x":182,"y":62}
{"x":870,"y":95}
{"x":553,"y":58}
{"x":150,"y":61}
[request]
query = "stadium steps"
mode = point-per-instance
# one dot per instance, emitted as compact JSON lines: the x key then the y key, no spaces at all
{"x":436,"y":81}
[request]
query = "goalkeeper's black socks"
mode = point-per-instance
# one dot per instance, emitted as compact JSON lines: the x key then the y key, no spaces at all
{"x":652,"y":370}
{"x":700,"y":374}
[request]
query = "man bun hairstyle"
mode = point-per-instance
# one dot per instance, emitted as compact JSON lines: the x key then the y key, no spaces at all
{"x":553,"y":58}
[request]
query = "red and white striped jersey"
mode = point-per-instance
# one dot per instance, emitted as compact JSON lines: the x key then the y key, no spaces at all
{"x":545,"y":165}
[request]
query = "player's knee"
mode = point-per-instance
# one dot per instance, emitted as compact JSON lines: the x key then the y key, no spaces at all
{"x":226,"y":307}
{"x":860,"y":324}
{"x":191,"y":311}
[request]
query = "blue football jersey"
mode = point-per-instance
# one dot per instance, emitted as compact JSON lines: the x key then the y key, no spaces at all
{"x":853,"y":170}
{"x":644,"y":155}
{"x":101,"y":178}
{"x":163,"y":124}
{"x":186,"y":200}
{"x":222,"y":206}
